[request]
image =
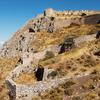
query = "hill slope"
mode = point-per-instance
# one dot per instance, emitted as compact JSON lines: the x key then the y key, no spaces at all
{"x":48,"y":32}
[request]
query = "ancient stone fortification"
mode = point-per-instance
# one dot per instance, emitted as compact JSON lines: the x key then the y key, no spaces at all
{"x":92,"y":19}
{"x":26,"y":92}
{"x":50,"y":21}
{"x":29,"y":57}
{"x":22,"y":91}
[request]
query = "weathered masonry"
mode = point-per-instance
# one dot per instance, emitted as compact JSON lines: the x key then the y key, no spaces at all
{"x":92,"y":19}
{"x":67,"y":45}
{"x":27,"y":91}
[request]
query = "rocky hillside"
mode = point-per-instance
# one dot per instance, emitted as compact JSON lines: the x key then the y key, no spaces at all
{"x":67,"y":41}
{"x":50,"y":22}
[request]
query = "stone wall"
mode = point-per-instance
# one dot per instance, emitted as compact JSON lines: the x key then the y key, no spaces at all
{"x":92,"y":19}
{"x":35,"y":57}
{"x":84,"y":38}
{"x":75,"y":12}
{"x":41,"y":55}
{"x":22,"y":38}
{"x":26,"y":92}
{"x":22,"y":91}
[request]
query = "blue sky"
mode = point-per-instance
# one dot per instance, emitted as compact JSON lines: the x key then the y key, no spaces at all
{"x":15,"y":13}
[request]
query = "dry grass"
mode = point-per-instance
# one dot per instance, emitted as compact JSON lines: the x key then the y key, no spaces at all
{"x":26,"y":78}
{"x":70,"y":63}
{"x":44,"y":39}
{"x":73,"y":90}
{"x":77,"y":61}
{"x":6,"y":65}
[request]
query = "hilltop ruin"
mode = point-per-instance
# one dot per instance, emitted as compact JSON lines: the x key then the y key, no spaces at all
{"x":49,"y":21}
{"x":50,"y":48}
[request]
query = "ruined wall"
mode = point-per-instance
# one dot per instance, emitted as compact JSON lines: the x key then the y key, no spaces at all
{"x":41,"y":55}
{"x":60,"y":23}
{"x":84,"y":38}
{"x":26,"y":92}
{"x":92,"y":19}
{"x":22,"y":38}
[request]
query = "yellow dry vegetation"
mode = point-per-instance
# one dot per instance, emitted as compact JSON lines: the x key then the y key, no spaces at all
{"x":76,"y":61}
{"x":26,"y":78}
{"x":43,"y":39}
{"x":6,"y":65}
{"x":70,"y":63}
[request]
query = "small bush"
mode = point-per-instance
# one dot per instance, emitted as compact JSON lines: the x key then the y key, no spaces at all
{"x":52,"y":74}
{"x":68,"y":84}
{"x":48,"y":55}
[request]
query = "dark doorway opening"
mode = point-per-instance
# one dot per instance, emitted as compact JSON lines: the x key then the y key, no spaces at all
{"x":39,"y":73}
{"x":98,"y":22}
